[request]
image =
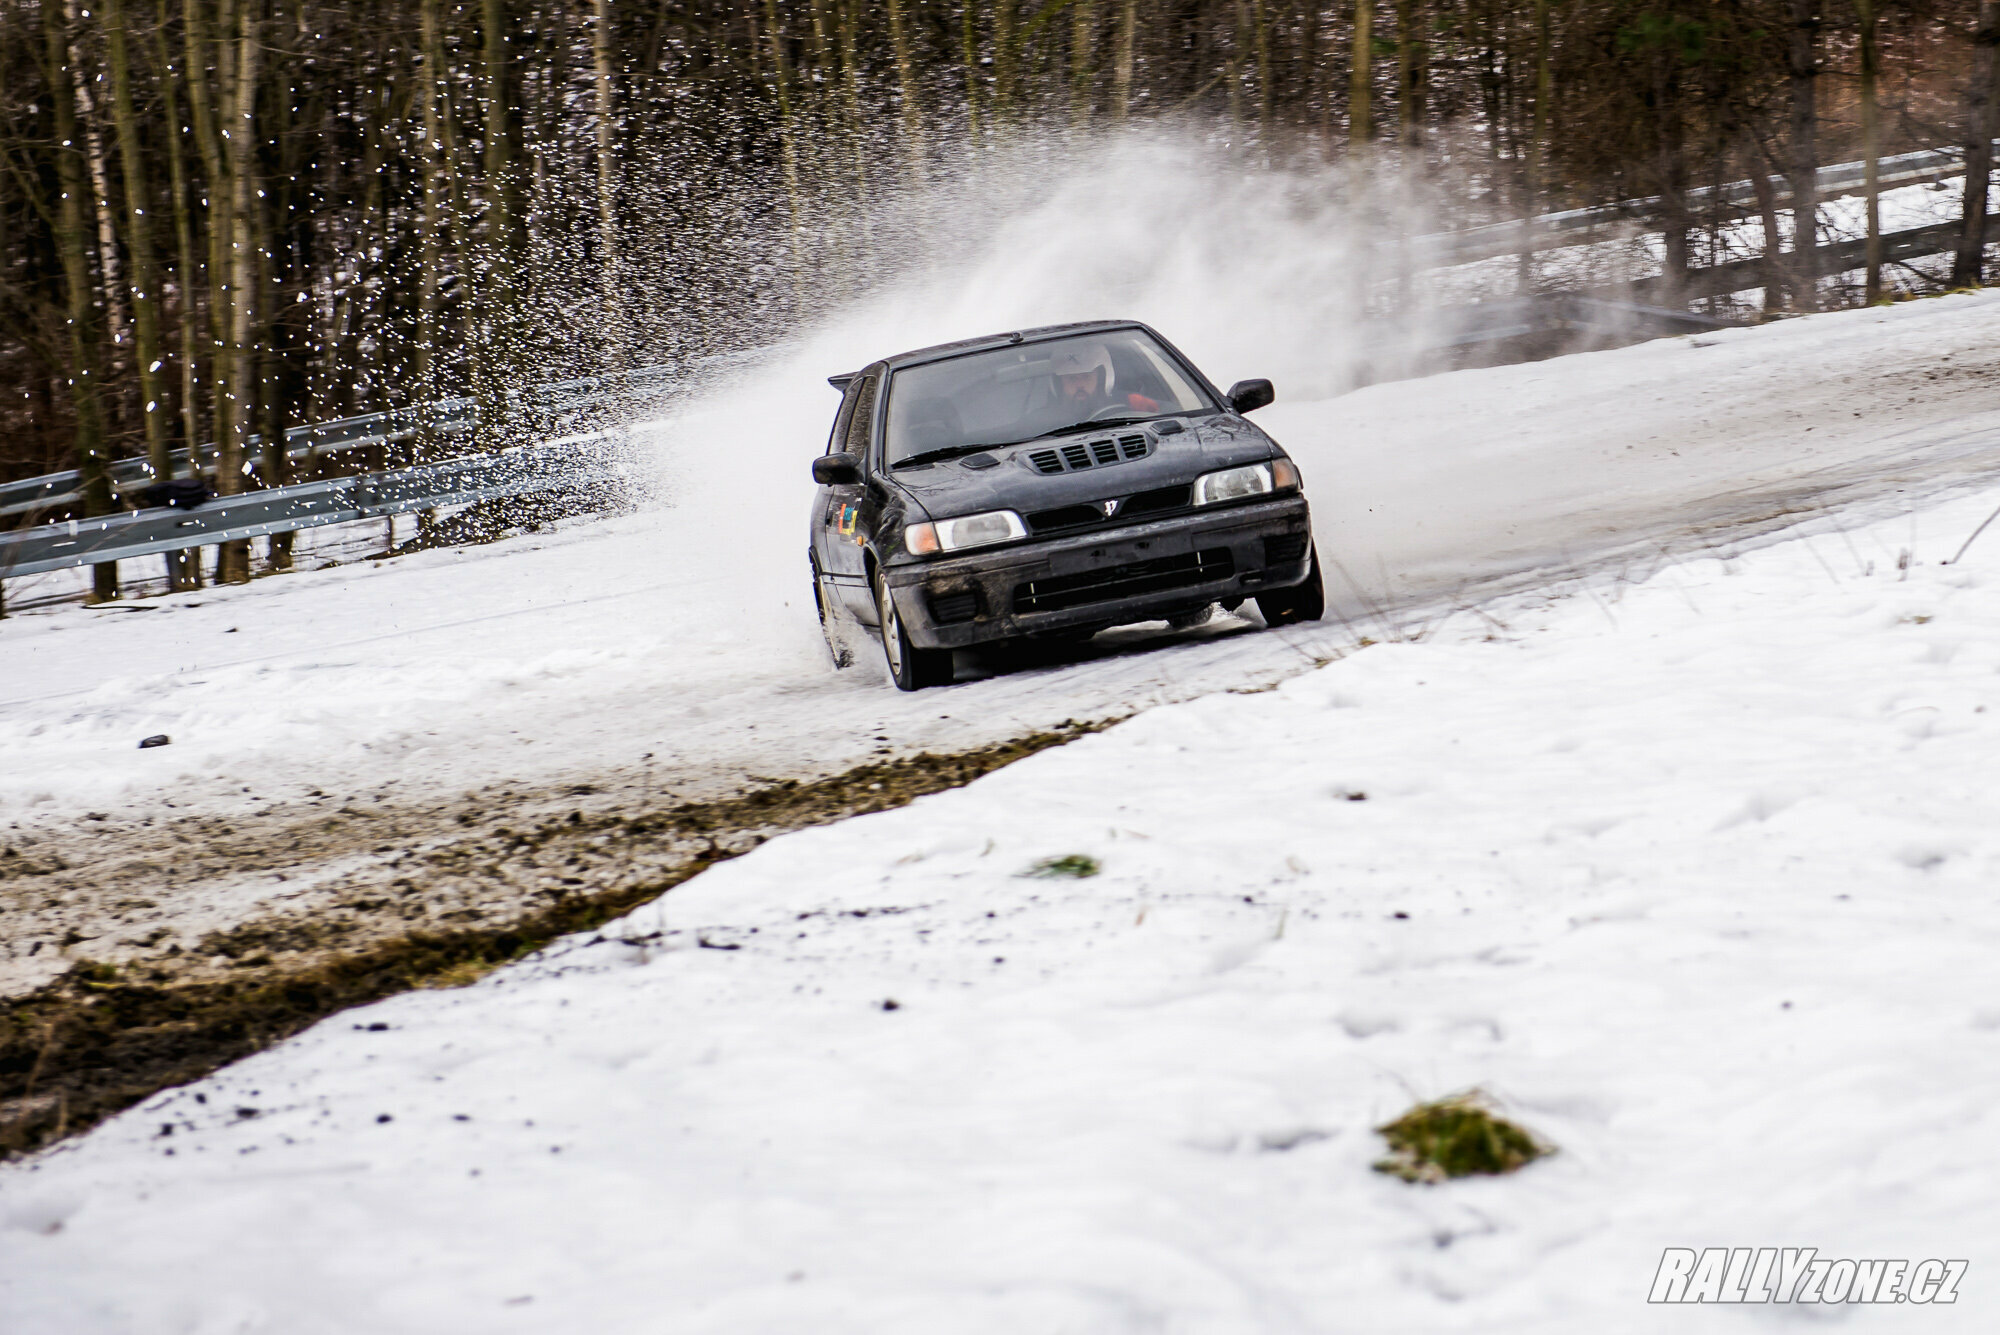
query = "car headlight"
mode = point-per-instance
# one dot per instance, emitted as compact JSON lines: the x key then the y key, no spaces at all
{"x":1233,"y":484}
{"x":955,"y":535}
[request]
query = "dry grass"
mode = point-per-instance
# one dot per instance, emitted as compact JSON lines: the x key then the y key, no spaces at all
{"x":1459,"y":1136}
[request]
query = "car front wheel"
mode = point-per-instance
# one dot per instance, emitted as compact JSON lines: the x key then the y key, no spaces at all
{"x":1301,"y":602}
{"x":910,"y":668}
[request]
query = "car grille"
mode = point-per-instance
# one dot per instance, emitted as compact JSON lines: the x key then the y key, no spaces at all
{"x":1284,"y":549}
{"x":1068,"y":516}
{"x":1158,"y":501}
{"x":1127,"y":581}
{"x":1095,"y":454}
{"x":950,"y":608}
{"x":1155,"y":502}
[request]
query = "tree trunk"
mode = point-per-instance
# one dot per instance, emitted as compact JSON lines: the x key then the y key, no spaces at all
{"x":617,"y":335}
{"x":852,"y":137}
{"x":1671,"y":173}
{"x":1871,"y":147}
{"x":284,"y":263}
{"x":204,"y":48}
{"x":1538,"y":132}
{"x":906,"y":88}
{"x":146,"y":350}
{"x":1802,"y":63}
{"x":1122,"y":60}
{"x":431,"y":162}
{"x":502,"y":206}
{"x":1361,"y":76}
{"x":1968,"y":267}
{"x":1082,"y":51}
{"x":91,"y":119}
{"x":139,"y":241}
{"x":788,"y":148}
{"x":1262,"y":23}
{"x":1412,"y":55}
{"x":268,"y":414}
{"x":72,"y":237}
{"x":1006,"y":53}
{"x":1767,"y":212}
{"x":968,"y":42}
{"x":237,"y":396}
{"x":183,"y":566}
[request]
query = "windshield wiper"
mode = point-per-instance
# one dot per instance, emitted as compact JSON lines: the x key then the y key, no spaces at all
{"x":946,"y":452}
{"x":1094,"y":423}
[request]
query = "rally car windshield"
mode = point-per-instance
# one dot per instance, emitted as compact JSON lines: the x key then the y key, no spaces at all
{"x":1006,"y":395}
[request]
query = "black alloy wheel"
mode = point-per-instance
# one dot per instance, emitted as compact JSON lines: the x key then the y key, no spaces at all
{"x":910,"y":668}
{"x":1301,"y":602}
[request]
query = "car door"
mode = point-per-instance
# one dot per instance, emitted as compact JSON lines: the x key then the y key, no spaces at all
{"x":846,"y":513}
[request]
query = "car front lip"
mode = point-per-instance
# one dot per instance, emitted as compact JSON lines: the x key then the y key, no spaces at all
{"x":994,"y":575}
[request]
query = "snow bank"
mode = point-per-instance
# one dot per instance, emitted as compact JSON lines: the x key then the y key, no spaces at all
{"x":1695,"y":875}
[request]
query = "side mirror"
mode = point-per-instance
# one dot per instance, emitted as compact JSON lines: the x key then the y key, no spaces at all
{"x":837,"y":470}
{"x":1247,"y":396}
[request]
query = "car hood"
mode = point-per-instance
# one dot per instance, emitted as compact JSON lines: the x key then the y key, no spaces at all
{"x":949,"y":489}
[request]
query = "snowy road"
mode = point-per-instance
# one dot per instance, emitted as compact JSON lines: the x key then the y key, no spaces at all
{"x":673,"y":652}
{"x":679,"y":642}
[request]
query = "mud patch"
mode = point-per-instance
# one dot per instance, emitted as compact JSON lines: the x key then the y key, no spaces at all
{"x":105,"y":1035}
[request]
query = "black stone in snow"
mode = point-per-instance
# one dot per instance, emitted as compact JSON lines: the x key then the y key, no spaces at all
{"x":157,"y":739}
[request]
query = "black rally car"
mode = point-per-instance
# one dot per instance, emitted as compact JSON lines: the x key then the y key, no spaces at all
{"x":1049,"y":483}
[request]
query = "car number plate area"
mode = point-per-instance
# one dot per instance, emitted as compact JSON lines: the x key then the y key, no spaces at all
{"x":1097,"y":575}
{"x":1131,"y":551}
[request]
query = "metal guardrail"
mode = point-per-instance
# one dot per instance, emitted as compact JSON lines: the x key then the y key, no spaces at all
{"x":1833,"y":257}
{"x":482,"y":477}
{"x":1571,"y":227}
{"x":447,"y":417}
{"x":1516,"y":317}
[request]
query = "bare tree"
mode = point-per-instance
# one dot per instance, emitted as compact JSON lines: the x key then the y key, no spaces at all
{"x":1982,"y":97}
{"x":1802,"y":65}
{"x":73,"y":238}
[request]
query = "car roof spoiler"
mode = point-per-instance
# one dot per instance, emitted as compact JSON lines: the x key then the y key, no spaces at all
{"x":840,"y":382}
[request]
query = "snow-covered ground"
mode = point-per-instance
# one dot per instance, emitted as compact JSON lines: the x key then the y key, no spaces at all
{"x":685,"y":632}
{"x":1695,"y":875}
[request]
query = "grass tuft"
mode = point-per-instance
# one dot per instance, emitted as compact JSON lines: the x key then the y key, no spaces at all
{"x":1076,"y":866}
{"x":1457,"y":1136}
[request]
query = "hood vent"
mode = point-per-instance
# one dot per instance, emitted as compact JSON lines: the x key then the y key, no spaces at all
{"x":1096,"y":454}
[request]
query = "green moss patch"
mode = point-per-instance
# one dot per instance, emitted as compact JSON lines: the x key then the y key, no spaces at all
{"x":1074,"y":866}
{"x":1460,"y":1136}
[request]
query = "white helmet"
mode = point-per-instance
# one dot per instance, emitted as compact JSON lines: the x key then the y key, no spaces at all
{"x":1077,"y":358}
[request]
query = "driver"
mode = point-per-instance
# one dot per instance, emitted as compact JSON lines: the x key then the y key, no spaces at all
{"x":1082,"y":375}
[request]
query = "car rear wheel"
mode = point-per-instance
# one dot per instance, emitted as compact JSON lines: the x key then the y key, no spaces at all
{"x":1301,"y":602}
{"x":910,"y":668}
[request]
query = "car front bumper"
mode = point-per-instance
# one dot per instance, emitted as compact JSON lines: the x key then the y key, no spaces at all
{"x":1105,"y":578}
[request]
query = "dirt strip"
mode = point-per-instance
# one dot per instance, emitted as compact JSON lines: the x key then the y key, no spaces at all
{"x":149,"y":1011}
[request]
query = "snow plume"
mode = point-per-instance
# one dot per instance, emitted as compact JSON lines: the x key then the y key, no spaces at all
{"x":1251,"y":271}
{"x":1280,"y":271}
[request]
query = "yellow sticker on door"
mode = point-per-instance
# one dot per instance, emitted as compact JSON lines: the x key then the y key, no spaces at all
{"x":850,"y":519}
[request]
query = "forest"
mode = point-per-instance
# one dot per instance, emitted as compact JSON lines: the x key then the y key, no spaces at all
{"x":223,"y":218}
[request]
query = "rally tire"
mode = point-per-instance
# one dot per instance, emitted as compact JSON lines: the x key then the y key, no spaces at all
{"x":1300,"y":602}
{"x":910,"y":668}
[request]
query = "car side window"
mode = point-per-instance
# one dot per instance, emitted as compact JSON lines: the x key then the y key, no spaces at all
{"x":862,"y":422}
{"x":837,"y":441}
